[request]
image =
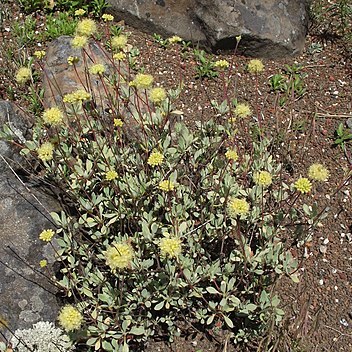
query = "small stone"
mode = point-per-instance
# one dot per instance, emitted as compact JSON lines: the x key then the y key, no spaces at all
{"x":344,"y":322}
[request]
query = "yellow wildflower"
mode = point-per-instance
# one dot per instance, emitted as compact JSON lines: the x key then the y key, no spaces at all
{"x":119,"y":255}
{"x":79,"y":41}
{"x":118,"y":123}
{"x":242,"y":110}
{"x":43,"y":263}
{"x":53,"y":116}
{"x":107,"y":17}
{"x":318,"y":172}
{"x":155,"y":158}
{"x":46,"y":235}
{"x":255,"y":66}
{"x":166,"y":185}
{"x":97,"y":69}
{"x":86,"y":27}
{"x":303,"y":185}
{"x":78,"y":95}
{"x":80,"y":12}
{"x":142,"y":81}
{"x":70,"y":318}
{"x":45,"y":151}
{"x":170,"y":246}
{"x":71,"y":60}
{"x":119,"y":56}
{"x":111,"y":175}
{"x":231,"y":154}
{"x":221,"y":64}
{"x":119,"y":42}
{"x":175,"y":39}
{"x":39,"y":54}
{"x":262,"y":178}
{"x":23,"y":75}
{"x":238,"y":206}
{"x":157,"y":95}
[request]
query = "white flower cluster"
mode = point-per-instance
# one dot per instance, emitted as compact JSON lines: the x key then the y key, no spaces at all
{"x":43,"y":337}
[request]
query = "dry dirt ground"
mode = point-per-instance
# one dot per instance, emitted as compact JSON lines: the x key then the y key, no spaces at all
{"x":318,"y":308}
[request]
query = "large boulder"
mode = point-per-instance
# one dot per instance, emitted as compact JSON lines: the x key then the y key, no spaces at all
{"x":269,"y":28}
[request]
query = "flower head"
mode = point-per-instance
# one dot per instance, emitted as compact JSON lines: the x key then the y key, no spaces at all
{"x":238,"y":206}
{"x":23,"y":75}
{"x":262,"y":178}
{"x":78,"y":96}
{"x":70,"y":318}
{"x":157,"y":95}
{"x":170,"y":246}
{"x":86,"y":27}
{"x":97,"y":69}
{"x":43,"y":263}
{"x":231,"y":154}
{"x":221,"y":64}
{"x":107,"y":17}
{"x":175,"y":39}
{"x":119,"y":42}
{"x":45,"y":151}
{"x":119,"y":56}
{"x":39,"y":54}
{"x":255,"y":66}
{"x":142,"y":81}
{"x":71,"y":60}
{"x":79,"y":41}
{"x":46,"y":235}
{"x":119,"y":255}
{"x":118,"y":123}
{"x":303,"y":185}
{"x":80,"y":12}
{"x":242,"y":110}
{"x":53,"y":116}
{"x":166,"y":185}
{"x":155,"y":159}
{"x":318,"y":172}
{"x":111,"y":175}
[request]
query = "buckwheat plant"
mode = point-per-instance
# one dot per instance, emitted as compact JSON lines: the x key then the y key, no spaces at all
{"x":164,"y":223}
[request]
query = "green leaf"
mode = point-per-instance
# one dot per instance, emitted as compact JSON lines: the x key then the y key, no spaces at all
{"x":228,"y":322}
{"x":159,"y":305}
{"x":213,"y":291}
{"x":137,"y":330}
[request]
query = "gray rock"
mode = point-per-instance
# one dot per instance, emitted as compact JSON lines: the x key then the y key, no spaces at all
{"x":26,"y":296}
{"x":270,"y":28}
{"x":19,"y":126}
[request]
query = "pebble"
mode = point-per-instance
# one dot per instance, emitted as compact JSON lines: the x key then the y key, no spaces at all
{"x":344,"y":322}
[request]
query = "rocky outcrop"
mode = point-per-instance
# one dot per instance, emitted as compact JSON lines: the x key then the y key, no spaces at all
{"x":269,"y":28}
{"x":26,"y":295}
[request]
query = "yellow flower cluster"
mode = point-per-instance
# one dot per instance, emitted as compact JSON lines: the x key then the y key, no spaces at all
{"x":43,"y":263}
{"x":231,"y":154}
{"x":175,"y":39}
{"x":111,"y":175}
{"x":78,"y":95}
{"x":118,"y":123}
{"x":238,"y":206}
{"x":242,"y":110}
{"x":97,"y":69}
{"x":107,"y":17}
{"x":119,"y":42}
{"x":86,"y":27}
{"x":170,"y":246}
{"x":119,"y":56}
{"x":157,"y":95}
{"x":23,"y":75}
{"x":155,"y":159}
{"x":45,"y":151}
{"x":303,"y":185}
{"x":142,"y":81}
{"x":53,"y":116}
{"x":318,"y":172}
{"x":46,"y":235}
{"x":71,"y":60}
{"x":221,"y":64}
{"x":70,"y":318}
{"x":255,"y":66}
{"x":80,"y":12}
{"x":79,"y":41}
{"x":119,"y":255}
{"x":39,"y":54}
{"x":262,"y":178}
{"x":166,"y":185}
